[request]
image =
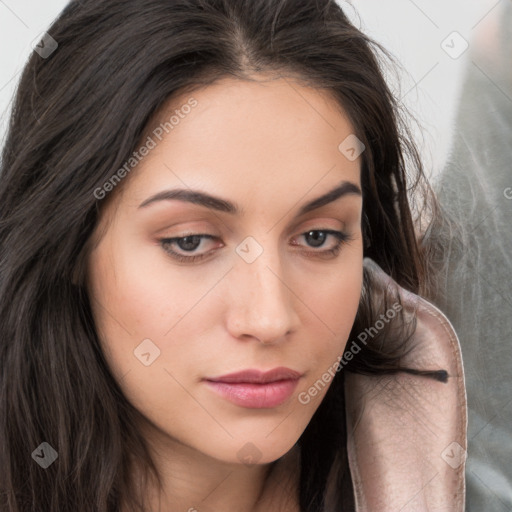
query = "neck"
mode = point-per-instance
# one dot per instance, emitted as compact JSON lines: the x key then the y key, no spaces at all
{"x":194,"y":482}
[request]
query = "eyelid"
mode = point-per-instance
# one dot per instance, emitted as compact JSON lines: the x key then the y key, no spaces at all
{"x":342,"y":238}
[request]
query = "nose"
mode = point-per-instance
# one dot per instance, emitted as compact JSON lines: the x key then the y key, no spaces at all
{"x":261,"y":301}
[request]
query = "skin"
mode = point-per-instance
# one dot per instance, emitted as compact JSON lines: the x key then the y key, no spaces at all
{"x":270,"y":145}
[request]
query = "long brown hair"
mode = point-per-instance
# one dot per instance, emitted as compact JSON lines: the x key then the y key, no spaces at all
{"x":78,"y":115}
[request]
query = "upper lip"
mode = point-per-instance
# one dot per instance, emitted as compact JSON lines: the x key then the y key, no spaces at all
{"x":258,"y":376}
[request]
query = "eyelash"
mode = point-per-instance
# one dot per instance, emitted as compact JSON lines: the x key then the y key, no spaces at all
{"x":341,"y":236}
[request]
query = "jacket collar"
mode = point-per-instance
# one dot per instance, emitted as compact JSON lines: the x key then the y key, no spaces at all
{"x":406,"y":434}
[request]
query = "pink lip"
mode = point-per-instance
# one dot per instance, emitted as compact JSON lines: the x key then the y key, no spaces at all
{"x":255,"y":389}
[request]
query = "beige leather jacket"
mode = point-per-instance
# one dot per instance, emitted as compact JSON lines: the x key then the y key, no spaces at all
{"x":407,"y":434}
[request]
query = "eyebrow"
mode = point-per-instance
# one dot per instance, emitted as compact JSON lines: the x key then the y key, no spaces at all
{"x":216,"y":203}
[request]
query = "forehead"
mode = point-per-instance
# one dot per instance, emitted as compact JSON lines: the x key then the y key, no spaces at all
{"x":245,"y":136}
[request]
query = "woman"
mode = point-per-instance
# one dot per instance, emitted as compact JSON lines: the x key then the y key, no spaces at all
{"x":210,"y":272}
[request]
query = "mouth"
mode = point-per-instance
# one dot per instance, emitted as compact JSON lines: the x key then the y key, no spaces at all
{"x":255,"y":389}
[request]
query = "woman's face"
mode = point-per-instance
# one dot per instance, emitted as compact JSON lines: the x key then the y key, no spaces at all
{"x":266,"y":287}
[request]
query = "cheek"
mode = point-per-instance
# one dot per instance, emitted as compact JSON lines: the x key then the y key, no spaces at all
{"x":335,"y":302}
{"x":138,"y":296}
{"x":134,"y":284}
{"x":135,"y":307}
{"x":334,"y":295}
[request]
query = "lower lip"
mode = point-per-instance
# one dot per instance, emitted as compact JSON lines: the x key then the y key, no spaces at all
{"x":255,"y":396}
